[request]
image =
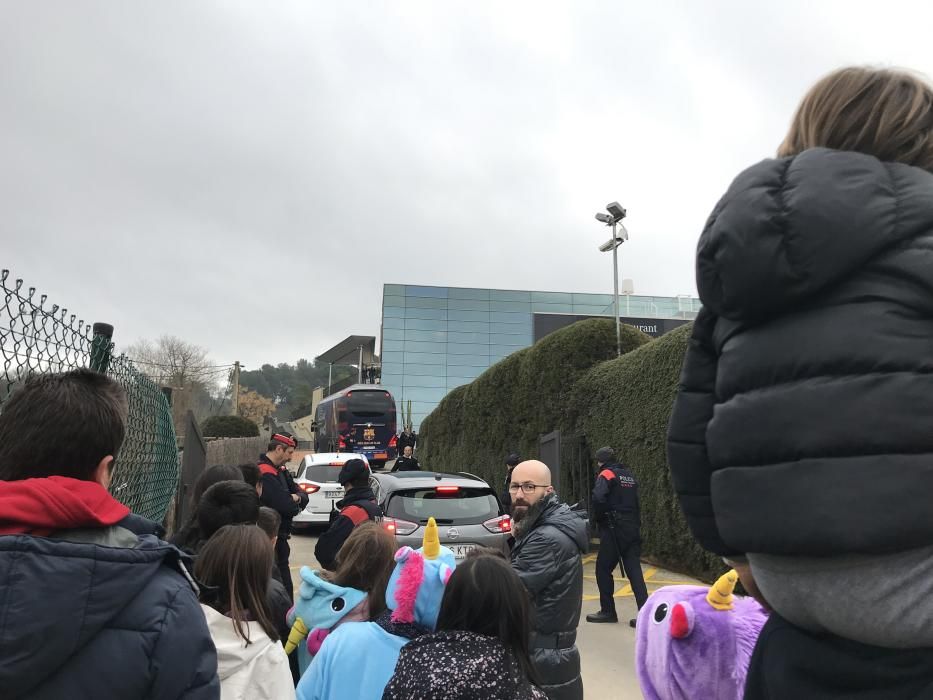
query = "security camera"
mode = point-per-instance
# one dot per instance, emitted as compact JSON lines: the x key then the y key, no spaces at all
{"x":614,"y":208}
{"x":604,"y":218}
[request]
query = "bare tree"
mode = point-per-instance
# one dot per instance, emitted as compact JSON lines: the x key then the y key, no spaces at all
{"x":172,"y":361}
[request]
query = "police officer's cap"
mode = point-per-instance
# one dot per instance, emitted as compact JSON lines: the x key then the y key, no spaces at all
{"x":352,"y":470}
{"x":605,"y":455}
{"x":513,"y":459}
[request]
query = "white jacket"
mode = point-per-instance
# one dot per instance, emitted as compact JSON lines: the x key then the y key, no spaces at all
{"x":257,"y":671}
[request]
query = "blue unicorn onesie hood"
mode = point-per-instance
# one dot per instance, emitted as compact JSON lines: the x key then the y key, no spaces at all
{"x":321,"y":606}
{"x":358,"y":658}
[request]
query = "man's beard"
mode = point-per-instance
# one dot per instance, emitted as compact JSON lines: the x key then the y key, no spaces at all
{"x":519,"y":511}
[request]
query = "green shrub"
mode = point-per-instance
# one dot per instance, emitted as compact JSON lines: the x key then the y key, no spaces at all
{"x":626,"y":403}
{"x":514,"y":402}
{"x":229,"y":426}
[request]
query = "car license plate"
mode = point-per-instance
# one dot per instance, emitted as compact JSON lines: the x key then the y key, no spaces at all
{"x":461,"y":550}
{"x":380,"y":455}
{"x":334,"y":494}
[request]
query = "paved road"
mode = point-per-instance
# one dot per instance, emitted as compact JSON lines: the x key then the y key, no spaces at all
{"x":608,"y":650}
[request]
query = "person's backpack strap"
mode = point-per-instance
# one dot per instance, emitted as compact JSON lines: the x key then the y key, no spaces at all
{"x":356,"y":514}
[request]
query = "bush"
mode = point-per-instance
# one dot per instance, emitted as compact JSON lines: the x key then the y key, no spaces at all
{"x":229,"y":426}
{"x":508,"y":407}
{"x":626,"y":403}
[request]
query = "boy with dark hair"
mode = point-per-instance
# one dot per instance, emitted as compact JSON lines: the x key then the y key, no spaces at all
{"x":269,"y":522}
{"x":252,"y":476}
{"x":226,"y":503}
{"x":71,"y":552}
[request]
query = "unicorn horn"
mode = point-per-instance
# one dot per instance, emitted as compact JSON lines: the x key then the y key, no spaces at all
{"x":299,"y":632}
{"x":432,"y":541}
{"x":720,"y":593}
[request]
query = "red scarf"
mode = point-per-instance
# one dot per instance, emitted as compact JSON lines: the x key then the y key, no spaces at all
{"x":41,"y":506}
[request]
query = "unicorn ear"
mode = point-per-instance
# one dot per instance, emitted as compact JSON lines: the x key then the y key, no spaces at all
{"x":403,"y":553}
{"x":444,"y":573}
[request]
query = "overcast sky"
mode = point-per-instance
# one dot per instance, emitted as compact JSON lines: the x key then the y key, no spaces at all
{"x":247,"y":175}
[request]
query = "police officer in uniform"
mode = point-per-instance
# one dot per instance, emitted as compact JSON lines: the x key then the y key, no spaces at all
{"x":615,"y":505}
{"x":280,"y":493}
{"x":358,"y":506}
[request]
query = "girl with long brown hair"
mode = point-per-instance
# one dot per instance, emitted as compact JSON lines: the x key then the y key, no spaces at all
{"x":233,"y":569}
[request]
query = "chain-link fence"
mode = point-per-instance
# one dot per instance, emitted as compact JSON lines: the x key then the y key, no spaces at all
{"x":38,"y":339}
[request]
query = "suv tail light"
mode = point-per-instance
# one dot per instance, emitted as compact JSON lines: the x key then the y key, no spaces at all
{"x":447,"y":490}
{"x":394,"y":441}
{"x":396,"y":526}
{"x":498,"y":525}
{"x":309,"y":488}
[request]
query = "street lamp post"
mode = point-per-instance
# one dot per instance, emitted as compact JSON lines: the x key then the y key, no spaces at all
{"x":615,"y":215}
{"x":615,"y":290}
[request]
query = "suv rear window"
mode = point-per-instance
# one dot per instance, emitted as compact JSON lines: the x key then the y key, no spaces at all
{"x":321,"y":473}
{"x":466,"y":506}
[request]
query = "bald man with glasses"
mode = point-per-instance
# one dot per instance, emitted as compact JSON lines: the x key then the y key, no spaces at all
{"x":550,"y":541}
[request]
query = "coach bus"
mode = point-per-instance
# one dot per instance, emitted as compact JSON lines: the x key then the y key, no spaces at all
{"x":360,"y":418}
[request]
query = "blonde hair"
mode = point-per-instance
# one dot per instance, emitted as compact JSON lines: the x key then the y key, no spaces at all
{"x":880,"y":112}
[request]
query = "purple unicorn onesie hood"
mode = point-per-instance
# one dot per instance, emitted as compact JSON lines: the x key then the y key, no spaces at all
{"x":696,"y":642}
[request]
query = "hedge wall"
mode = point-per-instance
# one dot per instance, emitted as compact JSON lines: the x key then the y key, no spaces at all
{"x":515,"y":401}
{"x":626,"y":403}
{"x":229,"y":426}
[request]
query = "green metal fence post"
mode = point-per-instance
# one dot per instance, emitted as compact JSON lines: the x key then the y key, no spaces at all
{"x":100,"y":347}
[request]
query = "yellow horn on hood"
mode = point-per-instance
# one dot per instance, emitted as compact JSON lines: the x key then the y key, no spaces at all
{"x":432,"y":541}
{"x":299,"y":632}
{"x":720,"y":593}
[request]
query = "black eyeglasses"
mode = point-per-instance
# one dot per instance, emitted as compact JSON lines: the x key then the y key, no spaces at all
{"x":527,"y":487}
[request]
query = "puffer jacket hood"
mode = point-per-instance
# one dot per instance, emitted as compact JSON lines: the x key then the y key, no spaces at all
{"x":801,"y":424}
{"x":789,"y":228}
{"x":75,"y":611}
{"x":568,"y":520}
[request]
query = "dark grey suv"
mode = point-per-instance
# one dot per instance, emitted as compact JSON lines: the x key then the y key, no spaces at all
{"x":468,"y":512}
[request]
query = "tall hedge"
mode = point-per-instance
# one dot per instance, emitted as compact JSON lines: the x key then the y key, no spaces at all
{"x":509,"y":406}
{"x":626,"y":403}
{"x":229,"y":426}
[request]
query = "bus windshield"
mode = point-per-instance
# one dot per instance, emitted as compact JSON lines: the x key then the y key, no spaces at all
{"x":370,"y":404}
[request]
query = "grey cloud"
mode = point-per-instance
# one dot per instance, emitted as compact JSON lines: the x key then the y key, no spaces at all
{"x":247,"y":175}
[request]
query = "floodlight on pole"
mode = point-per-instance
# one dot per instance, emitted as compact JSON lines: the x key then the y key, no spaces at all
{"x":611,"y":244}
{"x":616,"y":214}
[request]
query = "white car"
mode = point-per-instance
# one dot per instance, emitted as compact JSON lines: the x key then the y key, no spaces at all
{"x":317,"y":477}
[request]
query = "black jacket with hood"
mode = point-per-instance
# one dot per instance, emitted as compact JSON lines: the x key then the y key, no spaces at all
{"x":359,"y":505}
{"x":102,"y":613}
{"x":802,"y":423}
{"x":550,"y":543}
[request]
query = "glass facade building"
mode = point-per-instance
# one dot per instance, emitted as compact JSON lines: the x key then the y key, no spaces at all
{"x":435,"y":339}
